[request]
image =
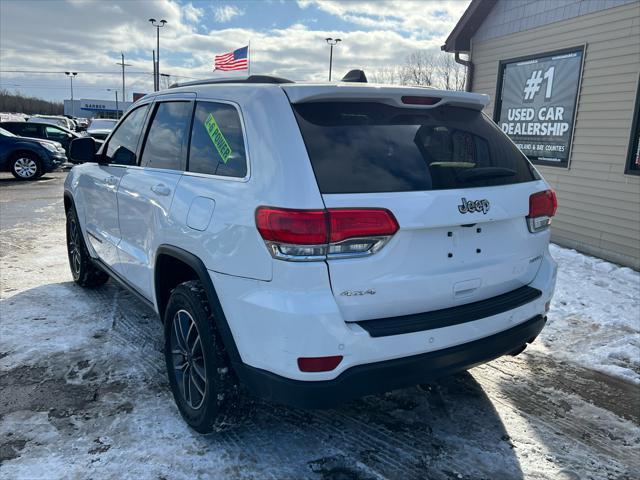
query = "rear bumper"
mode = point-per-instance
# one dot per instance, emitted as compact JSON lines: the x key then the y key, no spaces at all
{"x":387,"y":375}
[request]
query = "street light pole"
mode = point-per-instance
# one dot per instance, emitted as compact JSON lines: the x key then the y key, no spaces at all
{"x":158,"y":26}
{"x":71,"y":75}
{"x":331,"y":42}
{"x":122,"y":64}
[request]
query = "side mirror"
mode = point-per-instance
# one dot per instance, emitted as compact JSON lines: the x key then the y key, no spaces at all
{"x":83,"y":150}
{"x":123,"y":156}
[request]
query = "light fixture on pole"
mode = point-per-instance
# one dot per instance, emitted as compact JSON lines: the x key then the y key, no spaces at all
{"x":158,"y":26}
{"x":331,"y":42}
{"x":117,"y":109}
{"x":71,"y":75}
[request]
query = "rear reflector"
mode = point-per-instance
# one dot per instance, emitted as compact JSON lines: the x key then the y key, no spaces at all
{"x":415,"y":100}
{"x":308,"y":235}
{"x":318,"y":364}
{"x":542,"y":206}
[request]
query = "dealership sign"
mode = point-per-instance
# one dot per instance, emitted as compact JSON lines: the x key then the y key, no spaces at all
{"x":537,"y":102}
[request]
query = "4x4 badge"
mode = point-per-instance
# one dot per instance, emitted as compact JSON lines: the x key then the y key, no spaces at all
{"x":474,"y":206}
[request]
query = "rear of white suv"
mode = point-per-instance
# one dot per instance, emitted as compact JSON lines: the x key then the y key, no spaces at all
{"x":428,"y":255}
{"x":315,"y":242}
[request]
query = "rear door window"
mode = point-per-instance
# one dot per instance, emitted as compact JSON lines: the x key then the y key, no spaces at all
{"x":166,"y":142}
{"x":361,"y":147}
{"x":217,"y":141}
{"x":28,"y":130}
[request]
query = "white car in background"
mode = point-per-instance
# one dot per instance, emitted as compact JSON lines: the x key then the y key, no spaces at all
{"x":100,"y":128}
{"x":53,"y":120}
{"x":314,"y":242}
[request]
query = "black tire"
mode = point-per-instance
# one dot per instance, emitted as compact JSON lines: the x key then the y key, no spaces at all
{"x":26,"y":166}
{"x":84,"y":271}
{"x":213,"y":401}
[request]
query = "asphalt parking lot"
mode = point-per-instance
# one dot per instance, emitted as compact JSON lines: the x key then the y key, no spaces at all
{"x":84,"y":395}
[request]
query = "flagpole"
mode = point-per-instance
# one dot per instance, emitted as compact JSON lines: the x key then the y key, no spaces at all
{"x":249,"y":56}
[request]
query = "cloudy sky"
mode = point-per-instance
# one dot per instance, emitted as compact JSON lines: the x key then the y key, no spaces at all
{"x":287,"y":39}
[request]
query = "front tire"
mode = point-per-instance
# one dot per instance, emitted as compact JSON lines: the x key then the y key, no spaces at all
{"x":26,"y":166}
{"x":84,"y":271}
{"x":202,"y":382}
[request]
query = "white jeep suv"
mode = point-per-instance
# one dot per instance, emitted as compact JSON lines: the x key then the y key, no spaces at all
{"x":314,"y":242}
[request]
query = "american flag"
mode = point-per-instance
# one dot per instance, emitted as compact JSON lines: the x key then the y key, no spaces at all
{"x":236,"y":60}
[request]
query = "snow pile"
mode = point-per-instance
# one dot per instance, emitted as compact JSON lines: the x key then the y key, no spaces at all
{"x":595,"y":315}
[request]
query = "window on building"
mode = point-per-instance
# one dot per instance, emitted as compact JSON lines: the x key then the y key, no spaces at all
{"x":166,"y":143}
{"x":217,"y":143}
{"x":633,"y":160}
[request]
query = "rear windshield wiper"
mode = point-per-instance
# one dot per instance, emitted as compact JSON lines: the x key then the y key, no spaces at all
{"x":485,"y":172}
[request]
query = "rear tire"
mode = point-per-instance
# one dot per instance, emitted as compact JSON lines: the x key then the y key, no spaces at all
{"x":26,"y":166}
{"x":84,"y":271}
{"x":202,"y":381}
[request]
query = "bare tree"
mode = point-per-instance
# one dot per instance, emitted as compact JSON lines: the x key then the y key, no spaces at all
{"x":451,"y":75}
{"x":389,"y":74}
{"x":19,"y":103}
{"x":421,"y":68}
{"x":424,"y":68}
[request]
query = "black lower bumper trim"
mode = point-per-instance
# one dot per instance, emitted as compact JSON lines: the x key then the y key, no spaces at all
{"x":446,"y":317}
{"x":389,"y":375}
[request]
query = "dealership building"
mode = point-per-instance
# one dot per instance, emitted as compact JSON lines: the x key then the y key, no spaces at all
{"x":88,"y":108}
{"x":564,"y":82}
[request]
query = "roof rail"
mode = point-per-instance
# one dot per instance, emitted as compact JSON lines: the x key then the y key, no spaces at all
{"x":249,"y":79}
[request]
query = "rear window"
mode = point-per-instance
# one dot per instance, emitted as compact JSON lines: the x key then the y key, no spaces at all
{"x":362,"y":147}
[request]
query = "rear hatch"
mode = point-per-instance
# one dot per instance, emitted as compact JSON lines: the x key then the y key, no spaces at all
{"x":457,"y":186}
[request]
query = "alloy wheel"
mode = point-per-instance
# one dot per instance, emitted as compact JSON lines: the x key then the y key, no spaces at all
{"x":188,"y":359}
{"x":74,"y":247}
{"x":25,"y":167}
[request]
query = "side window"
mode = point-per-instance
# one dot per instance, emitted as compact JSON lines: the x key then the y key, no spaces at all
{"x":165,"y":146}
{"x":121,"y":149}
{"x":28,"y":130}
{"x":217,"y":143}
{"x":54,"y":133}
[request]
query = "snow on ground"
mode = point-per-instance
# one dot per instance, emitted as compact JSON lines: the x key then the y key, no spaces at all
{"x":83,"y":390}
{"x":595,"y":315}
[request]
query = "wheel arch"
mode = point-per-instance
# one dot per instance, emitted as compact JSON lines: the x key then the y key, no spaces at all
{"x":21,"y":151}
{"x":183,"y":266}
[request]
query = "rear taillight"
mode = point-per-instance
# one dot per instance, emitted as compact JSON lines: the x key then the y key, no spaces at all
{"x":542,"y":206}
{"x":319,"y":364}
{"x":308,"y":235}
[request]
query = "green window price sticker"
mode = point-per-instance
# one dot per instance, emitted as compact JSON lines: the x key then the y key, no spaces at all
{"x":216,"y":136}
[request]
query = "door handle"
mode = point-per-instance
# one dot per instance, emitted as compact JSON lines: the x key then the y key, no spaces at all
{"x":161,"y":189}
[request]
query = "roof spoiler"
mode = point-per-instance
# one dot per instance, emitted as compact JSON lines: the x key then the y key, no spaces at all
{"x":405,"y":97}
{"x":355,"y":76}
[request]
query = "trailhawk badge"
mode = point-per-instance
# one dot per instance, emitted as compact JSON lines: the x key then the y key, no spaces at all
{"x":474,"y":206}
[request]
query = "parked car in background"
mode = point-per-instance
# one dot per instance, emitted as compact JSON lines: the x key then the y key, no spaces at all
{"x":100,"y":128}
{"x":81,"y":124}
{"x":53,"y":120}
{"x":28,"y":158}
{"x":13,"y":117}
{"x":45,"y":131}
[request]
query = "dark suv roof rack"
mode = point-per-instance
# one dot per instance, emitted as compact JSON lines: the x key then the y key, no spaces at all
{"x":250,"y":79}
